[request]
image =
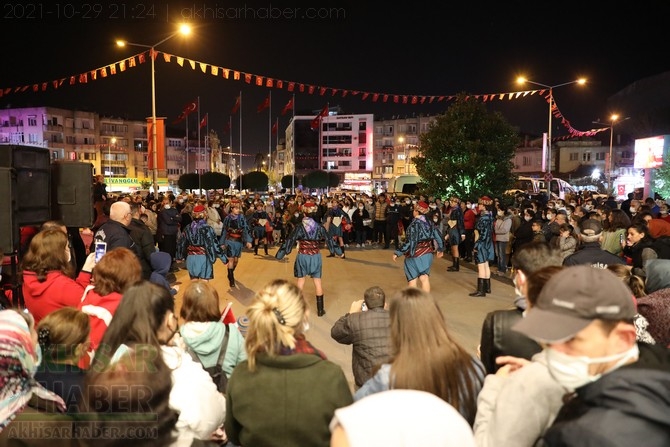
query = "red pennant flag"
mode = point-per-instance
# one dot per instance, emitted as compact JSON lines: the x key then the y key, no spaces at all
{"x":236,"y":107}
{"x":203,"y":121}
{"x":317,"y":118}
{"x":287,"y":107}
{"x":264,"y":105}
{"x":226,"y":128}
{"x":274,"y":127}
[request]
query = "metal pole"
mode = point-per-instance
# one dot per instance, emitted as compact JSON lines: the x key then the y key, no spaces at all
{"x":609,"y":171}
{"x":154,"y":131}
{"x":551,"y":103}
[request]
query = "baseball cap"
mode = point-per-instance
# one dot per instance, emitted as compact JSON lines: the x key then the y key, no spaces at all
{"x":572,"y":299}
{"x":590,"y":227}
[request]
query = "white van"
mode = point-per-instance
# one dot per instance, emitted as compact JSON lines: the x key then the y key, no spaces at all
{"x":405,"y":183}
{"x":534,"y":186}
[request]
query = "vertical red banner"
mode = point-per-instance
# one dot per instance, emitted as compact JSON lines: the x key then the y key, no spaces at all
{"x":160,"y":137}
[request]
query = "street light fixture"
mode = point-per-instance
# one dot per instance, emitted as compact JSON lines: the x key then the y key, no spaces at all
{"x":184,"y":30}
{"x":522,"y":80}
{"x":613,"y":118}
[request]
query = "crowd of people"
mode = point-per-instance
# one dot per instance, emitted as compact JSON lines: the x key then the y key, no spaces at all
{"x":98,"y":352}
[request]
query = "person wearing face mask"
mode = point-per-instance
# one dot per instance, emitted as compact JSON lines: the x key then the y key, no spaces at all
{"x":358,"y":218}
{"x":619,"y":388}
{"x":514,"y":392}
{"x":145,"y":318}
{"x":26,"y":405}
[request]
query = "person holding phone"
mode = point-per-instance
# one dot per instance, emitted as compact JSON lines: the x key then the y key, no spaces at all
{"x":46,"y":274}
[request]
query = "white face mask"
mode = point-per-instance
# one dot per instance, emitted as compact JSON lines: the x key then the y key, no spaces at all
{"x":528,"y":218}
{"x":167,"y":207}
{"x":633,"y":209}
{"x":296,"y":214}
{"x":501,"y":213}
{"x":572,"y":372}
{"x":360,"y":207}
{"x":550,"y":216}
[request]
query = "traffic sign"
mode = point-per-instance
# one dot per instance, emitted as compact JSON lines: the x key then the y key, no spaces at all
{"x":548,"y":177}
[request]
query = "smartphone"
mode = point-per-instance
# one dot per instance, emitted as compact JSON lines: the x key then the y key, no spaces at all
{"x":622,"y":238}
{"x":100,"y":250}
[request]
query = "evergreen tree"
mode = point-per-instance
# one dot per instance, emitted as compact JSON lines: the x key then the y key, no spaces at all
{"x":467,"y":152}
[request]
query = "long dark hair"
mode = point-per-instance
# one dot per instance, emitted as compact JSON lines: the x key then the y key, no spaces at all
{"x":136,"y":321}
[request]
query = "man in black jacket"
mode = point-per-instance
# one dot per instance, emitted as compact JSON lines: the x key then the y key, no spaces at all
{"x":141,"y":235}
{"x":497,"y":336}
{"x":591,"y":253}
{"x":168,"y":228}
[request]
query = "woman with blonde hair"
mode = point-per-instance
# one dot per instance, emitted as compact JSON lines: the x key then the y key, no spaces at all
{"x":286,"y":392}
{"x":63,"y":338}
{"x":425,"y":357}
{"x":46,"y":274}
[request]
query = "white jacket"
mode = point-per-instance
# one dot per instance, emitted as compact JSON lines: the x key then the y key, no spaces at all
{"x":202,"y":409}
{"x":516,"y":410}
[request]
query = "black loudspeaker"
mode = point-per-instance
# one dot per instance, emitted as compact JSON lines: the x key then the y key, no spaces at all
{"x":9,"y":230}
{"x":32,"y":186}
{"x":72,"y":193}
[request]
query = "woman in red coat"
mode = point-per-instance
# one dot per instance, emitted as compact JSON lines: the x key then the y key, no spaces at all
{"x":47,"y":274}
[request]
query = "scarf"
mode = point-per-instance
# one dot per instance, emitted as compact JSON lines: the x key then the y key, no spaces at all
{"x":18,"y":364}
{"x":302,"y":346}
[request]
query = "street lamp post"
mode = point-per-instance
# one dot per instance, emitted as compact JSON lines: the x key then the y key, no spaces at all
{"x":185,"y":30}
{"x":522,"y":80}
{"x":609,"y":171}
{"x":109,"y":155}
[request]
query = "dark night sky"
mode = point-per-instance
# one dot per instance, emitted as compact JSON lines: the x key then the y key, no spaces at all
{"x":414,"y":49}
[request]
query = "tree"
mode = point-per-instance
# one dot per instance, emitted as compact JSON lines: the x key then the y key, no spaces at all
{"x":662,"y":180}
{"x":290,"y":181}
{"x":215,"y":180}
{"x":255,"y":181}
{"x":467,"y":152}
{"x":315,"y":179}
{"x":188,"y":181}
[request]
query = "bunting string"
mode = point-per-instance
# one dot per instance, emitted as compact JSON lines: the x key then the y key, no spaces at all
{"x":291,"y":86}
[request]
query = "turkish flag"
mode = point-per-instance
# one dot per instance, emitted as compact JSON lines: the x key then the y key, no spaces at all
{"x":236,"y":107}
{"x":264,"y":105}
{"x":317,"y":118}
{"x":190,"y":108}
{"x":274,"y":127}
{"x":287,"y":107}
{"x":203,"y":121}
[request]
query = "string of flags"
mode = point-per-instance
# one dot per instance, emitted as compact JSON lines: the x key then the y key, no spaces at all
{"x":291,"y":86}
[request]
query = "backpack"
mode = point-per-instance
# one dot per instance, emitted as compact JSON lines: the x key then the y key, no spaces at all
{"x":215,"y":372}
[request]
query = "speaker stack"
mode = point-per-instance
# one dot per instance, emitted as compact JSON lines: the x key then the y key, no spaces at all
{"x":25,"y":191}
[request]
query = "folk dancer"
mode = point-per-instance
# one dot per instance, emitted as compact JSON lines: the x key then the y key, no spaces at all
{"x":484,"y":251}
{"x":336,"y":218}
{"x":455,"y":232}
{"x":234,"y":235}
{"x":310,"y":234}
{"x":198,"y":245}
{"x":258,"y":220}
{"x":422,"y":238}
